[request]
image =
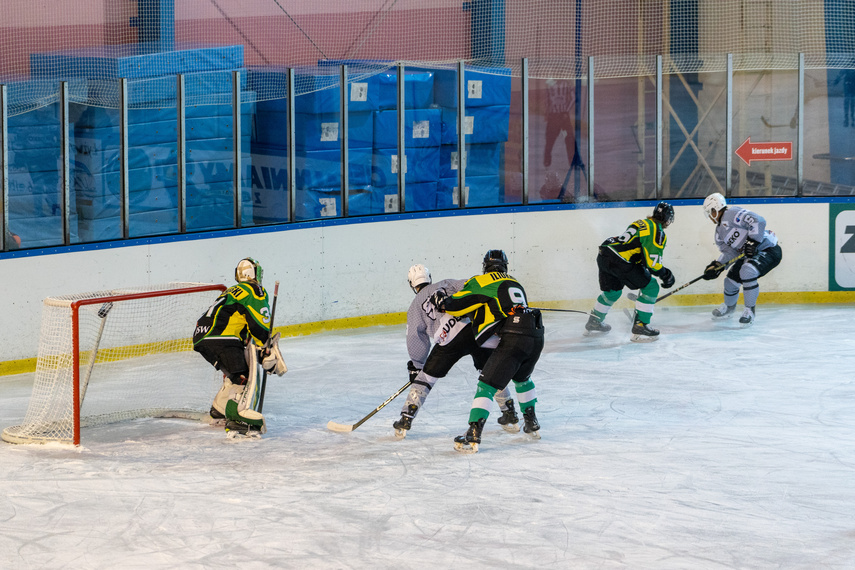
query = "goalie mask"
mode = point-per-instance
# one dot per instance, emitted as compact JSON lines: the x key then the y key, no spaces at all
{"x":417,"y":276}
{"x":495,"y":260}
{"x":713,"y":204}
{"x":248,"y":269}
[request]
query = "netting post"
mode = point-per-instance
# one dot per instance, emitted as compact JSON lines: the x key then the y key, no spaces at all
{"x":402,"y":157}
{"x":461,"y":136}
{"x":65,"y":175}
{"x":75,"y":364}
{"x":343,"y":123}
{"x":236,"y":128}
{"x":800,"y":173}
{"x":659,"y":122}
{"x":292,"y":157}
{"x":123,"y":158}
{"x":181,"y":152}
{"x":524,"y":74}
{"x":591,"y":169}
{"x":4,"y":167}
{"x":728,"y":139}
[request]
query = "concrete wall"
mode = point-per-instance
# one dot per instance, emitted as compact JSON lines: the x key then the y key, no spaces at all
{"x":336,"y":270}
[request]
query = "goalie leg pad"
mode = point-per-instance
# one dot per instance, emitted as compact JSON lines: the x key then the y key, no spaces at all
{"x":229,"y":391}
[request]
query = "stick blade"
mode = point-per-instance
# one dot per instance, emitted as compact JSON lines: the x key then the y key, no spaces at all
{"x":341,"y":428}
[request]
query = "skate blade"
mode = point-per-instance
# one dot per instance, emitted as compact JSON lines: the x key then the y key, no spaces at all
{"x":533,"y":434}
{"x":400,"y":433}
{"x":466,"y":447}
{"x":513,"y":428}
{"x":746,"y":325}
{"x":234,"y":434}
{"x":643,"y":338}
{"x":595,"y":333}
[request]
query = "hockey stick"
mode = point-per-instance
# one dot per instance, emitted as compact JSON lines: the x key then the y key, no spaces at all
{"x":335,"y":426}
{"x":102,"y":312}
{"x":560,"y":310}
{"x":264,"y":374}
{"x":633,"y":296}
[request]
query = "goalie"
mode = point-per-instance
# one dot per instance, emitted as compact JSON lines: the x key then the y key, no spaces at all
{"x":232,"y":335}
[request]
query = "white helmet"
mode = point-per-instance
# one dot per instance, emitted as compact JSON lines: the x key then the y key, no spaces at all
{"x":248,"y":269}
{"x":713,"y":204}
{"x":418,"y":275}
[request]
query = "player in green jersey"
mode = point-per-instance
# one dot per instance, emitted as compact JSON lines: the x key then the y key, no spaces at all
{"x":629,"y":260}
{"x":229,"y":336}
{"x":496,"y":304}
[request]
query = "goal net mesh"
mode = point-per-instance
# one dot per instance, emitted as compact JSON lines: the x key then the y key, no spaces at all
{"x":91,"y":42}
{"x":136,"y":360}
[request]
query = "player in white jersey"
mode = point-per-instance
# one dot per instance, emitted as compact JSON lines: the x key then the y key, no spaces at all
{"x":452,"y":339}
{"x":740,"y":231}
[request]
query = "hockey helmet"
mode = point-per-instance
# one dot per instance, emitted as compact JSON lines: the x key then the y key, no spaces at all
{"x":248,"y":269}
{"x":663,"y":213}
{"x":495,"y":260}
{"x":418,"y":275}
{"x":713,"y":204}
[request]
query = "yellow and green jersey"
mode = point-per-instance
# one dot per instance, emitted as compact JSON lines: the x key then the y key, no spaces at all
{"x":240,"y":312}
{"x":487,"y":300}
{"x":643,"y":242}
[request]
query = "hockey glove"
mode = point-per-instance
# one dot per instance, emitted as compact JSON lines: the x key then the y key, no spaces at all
{"x":713,"y":270}
{"x":666,"y":277}
{"x":411,"y":368}
{"x":272,"y":360}
{"x":438,"y":300}
{"x":750,"y":248}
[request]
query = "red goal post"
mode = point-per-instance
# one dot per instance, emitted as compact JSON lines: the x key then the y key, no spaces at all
{"x":114,"y":355}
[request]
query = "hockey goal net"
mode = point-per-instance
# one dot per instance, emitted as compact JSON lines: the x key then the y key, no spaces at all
{"x":109,"y":356}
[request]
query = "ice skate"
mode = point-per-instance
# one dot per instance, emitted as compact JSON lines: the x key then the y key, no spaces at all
{"x":405,"y":422}
{"x":531,"y":427}
{"x":595,"y":326}
{"x":468,"y":443}
{"x":240,"y":430}
{"x":747,"y":318}
{"x":509,"y":420}
{"x":643,"y":333}
{"x":723,"y":311}
{"x":217,"y":419}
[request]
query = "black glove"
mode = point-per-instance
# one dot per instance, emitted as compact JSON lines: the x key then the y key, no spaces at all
{"x":666,"y":277}
{"x":438,"y":299}
{"x":411,"y":368}
{"x":750,"y":247}
{"x":713,"y":270}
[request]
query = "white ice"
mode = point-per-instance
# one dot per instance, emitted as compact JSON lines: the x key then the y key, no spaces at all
{"x":715,"y":447}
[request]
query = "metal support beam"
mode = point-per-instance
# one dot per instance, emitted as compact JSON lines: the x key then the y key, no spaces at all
{"x":181,"y":151}
{"x":124,"y":182}
{"x":660,"y":143}
{"x":402,"y":143}
{"x":728,"y":137}
{"x":525,"y":141}
{"x":345,"y":155}
{"x":461,"y":135}
{"x":65,"y":175}
{"x":800,"y":130}
{"x":238,"y":166}
{"x":292,"y":157}
{"x":591,"y":168}
{"x":4,"y":166}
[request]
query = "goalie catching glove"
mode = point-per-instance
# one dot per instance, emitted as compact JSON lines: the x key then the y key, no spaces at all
{"x":272,"y":360}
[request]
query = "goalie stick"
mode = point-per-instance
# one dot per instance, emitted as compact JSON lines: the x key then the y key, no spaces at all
{"x":335,"y":426}
{"x":264,"y":374}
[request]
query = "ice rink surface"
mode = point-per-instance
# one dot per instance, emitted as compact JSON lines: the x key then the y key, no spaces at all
{"x":715,"y":447}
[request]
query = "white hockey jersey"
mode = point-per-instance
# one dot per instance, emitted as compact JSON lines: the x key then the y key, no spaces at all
{"x":426,"y":324}
{"x":736,"y":226}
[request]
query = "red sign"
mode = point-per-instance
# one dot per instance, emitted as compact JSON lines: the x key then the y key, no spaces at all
{"x":765,"y":151}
